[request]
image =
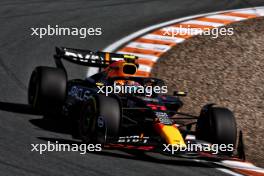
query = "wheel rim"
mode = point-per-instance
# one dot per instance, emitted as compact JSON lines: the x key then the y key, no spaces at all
{"x":87,"y":124}
{"x":101,"y":130}
{"x":92,"y":127}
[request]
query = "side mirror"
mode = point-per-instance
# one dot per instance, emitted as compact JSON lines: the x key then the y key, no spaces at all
{"x":180,"y":93}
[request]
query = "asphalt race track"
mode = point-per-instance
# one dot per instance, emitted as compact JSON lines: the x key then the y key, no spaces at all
{"x":20,"y":53}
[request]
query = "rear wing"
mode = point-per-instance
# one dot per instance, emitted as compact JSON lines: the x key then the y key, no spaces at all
{"x":90,"y":58}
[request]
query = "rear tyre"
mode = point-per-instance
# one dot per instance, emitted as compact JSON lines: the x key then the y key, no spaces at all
{"x":47,"y":89}
{"x":100,"y":120}
{"x":218,"y":126}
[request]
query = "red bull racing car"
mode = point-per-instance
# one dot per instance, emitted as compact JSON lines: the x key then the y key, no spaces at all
{"x":100,"y":111}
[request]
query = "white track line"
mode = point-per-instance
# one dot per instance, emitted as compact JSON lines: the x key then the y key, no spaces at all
{"x":226,"y":17}
{"x":205,"y":23}
{"x":163,"y":38}
{"x":241,"y":165}
{"x":149,"y":46}
{"x":253,"y":11}
{"x":249,"y":11}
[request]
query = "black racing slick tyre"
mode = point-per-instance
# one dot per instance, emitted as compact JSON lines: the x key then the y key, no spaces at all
{"x":100,"y":120}
{"x":217,"y":125}
{"x":47,"y":89}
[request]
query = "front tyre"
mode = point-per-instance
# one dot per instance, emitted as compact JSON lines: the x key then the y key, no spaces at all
{"x":100,"y":119}
{"x":217,"y":125}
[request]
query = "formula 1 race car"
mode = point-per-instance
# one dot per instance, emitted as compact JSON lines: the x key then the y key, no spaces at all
{"x":135,"y":117}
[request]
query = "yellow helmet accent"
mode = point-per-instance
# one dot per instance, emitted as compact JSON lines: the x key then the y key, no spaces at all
{"x":99,"y":84}
{"x":129,"y":56}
